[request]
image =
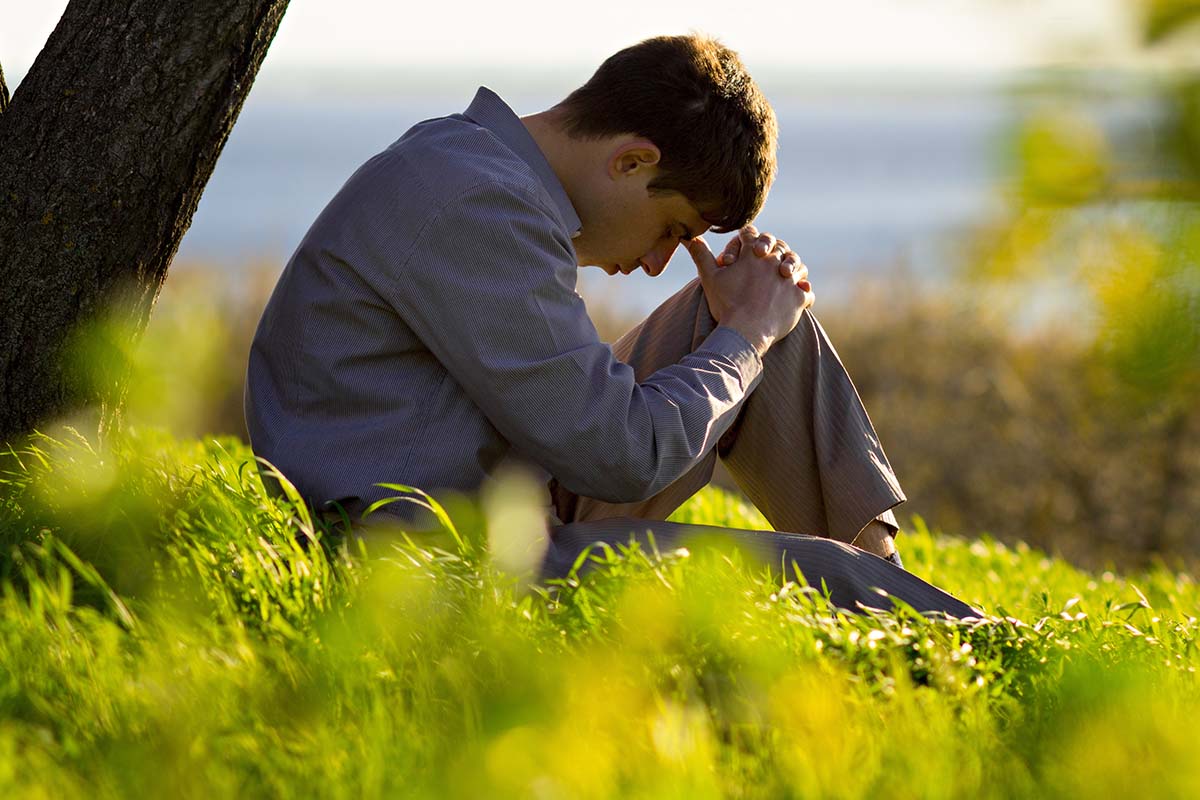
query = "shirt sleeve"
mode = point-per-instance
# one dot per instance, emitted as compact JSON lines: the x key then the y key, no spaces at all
{"x":490,"y":290}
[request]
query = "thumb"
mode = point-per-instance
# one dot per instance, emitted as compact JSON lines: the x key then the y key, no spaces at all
{"x":697,"y":248}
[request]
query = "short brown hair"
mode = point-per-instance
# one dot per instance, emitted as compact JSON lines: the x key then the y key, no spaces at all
{"x":692,"y":97}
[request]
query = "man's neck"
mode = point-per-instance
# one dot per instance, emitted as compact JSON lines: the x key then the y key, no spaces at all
{"x":567,"y":157}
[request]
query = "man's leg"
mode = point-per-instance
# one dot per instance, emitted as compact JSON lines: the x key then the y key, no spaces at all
{"x":802,"y":448}
{"x":851,"y":575}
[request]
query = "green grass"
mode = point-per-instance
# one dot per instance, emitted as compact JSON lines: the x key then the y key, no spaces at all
{"x":163,"y":632}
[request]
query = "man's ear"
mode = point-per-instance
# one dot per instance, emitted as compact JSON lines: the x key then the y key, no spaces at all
{"x":632,"y":155}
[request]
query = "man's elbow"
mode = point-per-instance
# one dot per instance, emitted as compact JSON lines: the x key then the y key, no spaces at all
{"x":624,"y":482}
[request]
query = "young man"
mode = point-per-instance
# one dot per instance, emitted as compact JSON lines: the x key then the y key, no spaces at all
{"x":428,"y":327}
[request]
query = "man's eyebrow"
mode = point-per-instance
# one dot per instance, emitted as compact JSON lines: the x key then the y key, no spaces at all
{"x":687,"y":233}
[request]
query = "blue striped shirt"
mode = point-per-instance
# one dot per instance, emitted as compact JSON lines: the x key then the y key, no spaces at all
{"x":428,"y":328}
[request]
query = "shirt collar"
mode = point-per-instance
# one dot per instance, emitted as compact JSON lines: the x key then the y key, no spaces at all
{"x":488,"y":110}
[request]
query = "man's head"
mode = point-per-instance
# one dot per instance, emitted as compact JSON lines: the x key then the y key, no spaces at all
{"x":671,"y":137}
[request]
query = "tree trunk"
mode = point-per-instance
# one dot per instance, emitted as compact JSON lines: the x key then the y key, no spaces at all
{"x":107,"y":145}
{"x":3,"y":92}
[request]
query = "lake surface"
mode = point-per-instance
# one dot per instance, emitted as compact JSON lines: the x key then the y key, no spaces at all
{"x":871,"y":181}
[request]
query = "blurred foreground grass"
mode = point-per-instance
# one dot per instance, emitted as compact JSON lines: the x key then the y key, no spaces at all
{"x":163,"y":632}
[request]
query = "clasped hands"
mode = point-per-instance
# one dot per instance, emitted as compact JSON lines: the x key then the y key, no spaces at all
{"x":766,"y":246}
{"x":758,"y":285}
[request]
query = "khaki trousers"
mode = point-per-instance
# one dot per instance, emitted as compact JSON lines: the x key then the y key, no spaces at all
{"x":802,"y":449}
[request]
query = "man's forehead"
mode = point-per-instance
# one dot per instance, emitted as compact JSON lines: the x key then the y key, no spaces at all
{"x":690,"y":218}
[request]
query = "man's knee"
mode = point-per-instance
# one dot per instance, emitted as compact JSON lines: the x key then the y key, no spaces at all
{"x":807,"y":337}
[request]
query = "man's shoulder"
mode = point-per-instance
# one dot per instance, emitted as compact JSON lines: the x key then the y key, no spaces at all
{"x":445,"y":174}
{"x":452,"y":157}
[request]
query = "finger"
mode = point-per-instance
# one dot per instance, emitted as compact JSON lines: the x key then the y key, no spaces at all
{"x":748,"y":233}
{"x":702,"y":257}
{"x":733,"y":249}
{"x":809,"y":297}
{"x":764,"y":244}
{"x":788,"y":265}
{"x":792,"y":267}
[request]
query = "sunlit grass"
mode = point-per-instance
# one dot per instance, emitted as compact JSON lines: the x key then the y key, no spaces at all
{"x":166,"y":625}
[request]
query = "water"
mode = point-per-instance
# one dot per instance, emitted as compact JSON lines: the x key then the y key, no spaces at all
{"x":871,"y":183}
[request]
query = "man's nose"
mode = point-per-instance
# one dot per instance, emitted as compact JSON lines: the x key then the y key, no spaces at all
{"x":656,"y":260}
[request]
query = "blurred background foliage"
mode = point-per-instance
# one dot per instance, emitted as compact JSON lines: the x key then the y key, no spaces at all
{"x":1117,"y":242}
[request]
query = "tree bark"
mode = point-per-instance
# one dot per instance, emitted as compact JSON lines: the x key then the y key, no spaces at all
{"x":108,"y":143}
{"x":3,"y":92}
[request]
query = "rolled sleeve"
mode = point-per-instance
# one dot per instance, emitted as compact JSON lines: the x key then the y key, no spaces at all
{"x":489,"y":288}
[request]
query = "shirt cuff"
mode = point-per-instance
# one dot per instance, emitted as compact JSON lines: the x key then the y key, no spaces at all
{"x":731,"y":344}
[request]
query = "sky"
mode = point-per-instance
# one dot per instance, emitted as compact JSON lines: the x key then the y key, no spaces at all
{"x":832,"y":35}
